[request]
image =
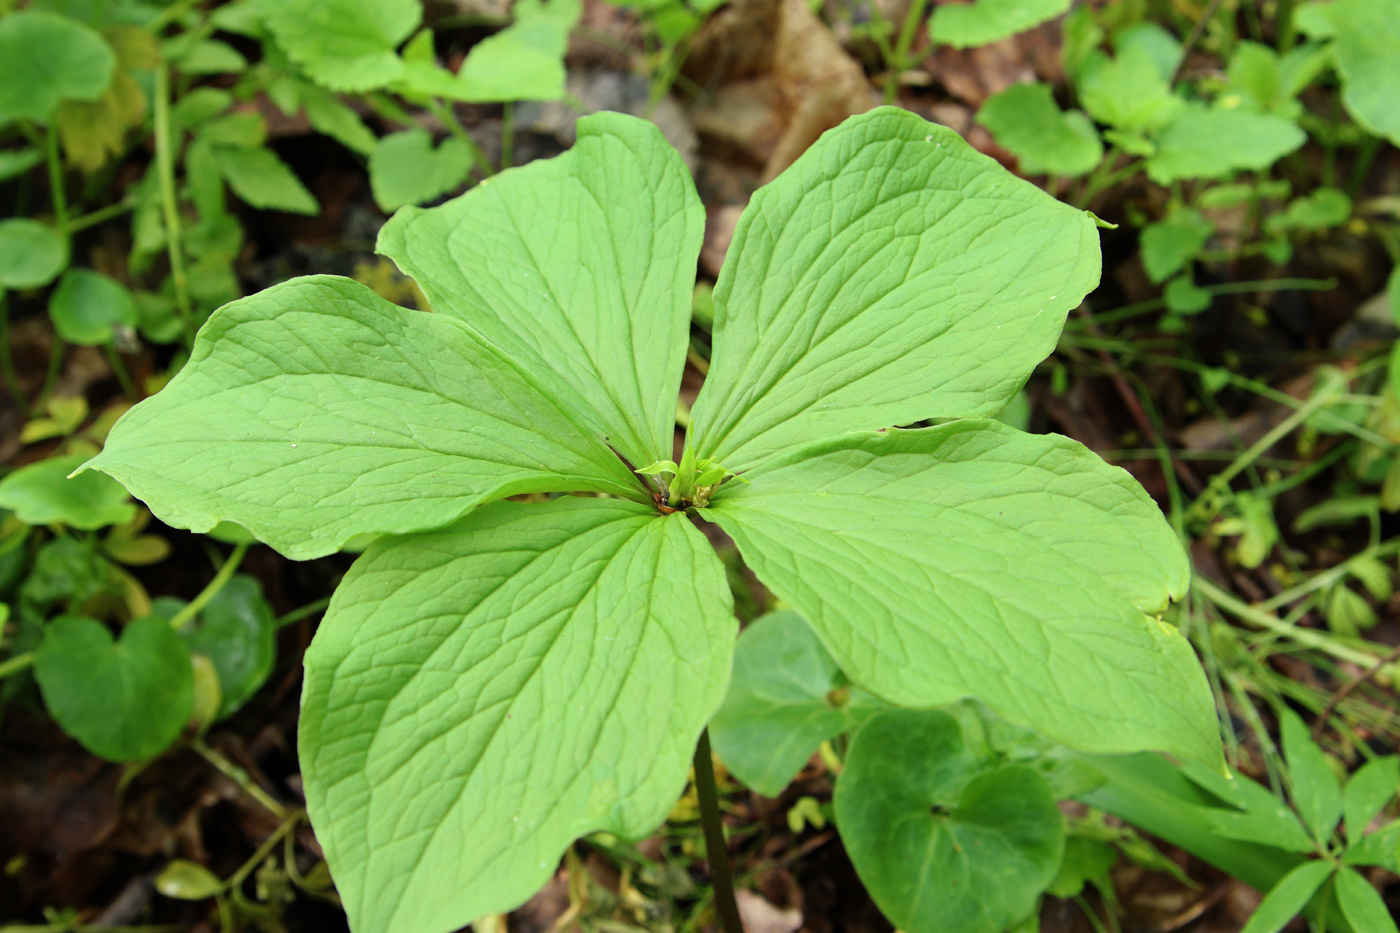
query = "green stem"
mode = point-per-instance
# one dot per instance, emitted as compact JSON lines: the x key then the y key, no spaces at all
{"x":240,"y":777}
{"x":98,"y":216}
{"x":56,"y":193}
{"x":51,"y":375}
{"x":716,"y":850}
{"x":1362,"y":167}
{"x":296,"y":615}
{"x":165,"y":167}
{"x":226,"y":572}
{"x":507,"y":135}
{"x":16,"y":664}
{"x":7,"y":365}
{"x":1330,"y":575}
{"x":1204,"y":506}
{"x":444,"y":112}
{"x":119,"y":369}
{"x":289,"y":822}
{"x":900,"y":58}
{"x":1267,"y":620}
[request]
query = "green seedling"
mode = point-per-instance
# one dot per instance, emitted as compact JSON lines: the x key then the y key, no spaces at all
{"x":1304,"y":857}
{"x":492,"y":678}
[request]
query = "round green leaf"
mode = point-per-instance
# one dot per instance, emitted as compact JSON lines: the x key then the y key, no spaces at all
{"x":42,"y":494}
{"x":88,"y":306}
{"x":31,"y":253}
{"x":787,"y":696}
{"x":187,"y":881}
{"x":124,"y":700}
{"x":940,"y":847}
{"x":46,"y":58}
{"x":237,"y":632}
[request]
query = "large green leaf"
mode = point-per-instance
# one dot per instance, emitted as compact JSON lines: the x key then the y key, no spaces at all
{"x":1026,"y":121}
{"x":346,"y":45}
{"x":316,"y":410}
{"x":478,"y":697}
{"x":892,"y":274}
{"x":786,"y":698}
{"x":1368,"y":58}
{"x":1210,"y":142}
{"x":983,"y":21}
{"x":972,"y":560}
{"x":125,"y":699}
{"x":941,"y":847}
{"x":1287,"y":898}
{"x":581,"y":267}
{"x":46,"y":58}
{"x":524,"y":61}
{"x":1362,"y":904}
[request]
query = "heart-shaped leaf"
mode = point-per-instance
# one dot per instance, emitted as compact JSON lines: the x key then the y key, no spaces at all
{"x":942,"y":848}
{"x":787,"y":696}
{"x":124,"y":700}
{"x":237,"y":632}
{"x":31,"y":253}
{"x":42,"y":494}
{"x":87,"y":307}
{"x":46,"y":58}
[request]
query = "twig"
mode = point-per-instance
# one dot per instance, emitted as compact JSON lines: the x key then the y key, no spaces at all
{"x":1346,"y":690}
{"x":715,"y":848}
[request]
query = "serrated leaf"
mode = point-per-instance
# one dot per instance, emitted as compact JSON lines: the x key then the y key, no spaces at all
{"x":345,"y":45}
{"x":973,"y":560}
{"x":354,"y":416}
{"x":1362,"y":904}
{"x":479,"y":697}
{"x":1210,"y":142}
{"x":1169,"y":244}
{"x":46,"y":58}
{"x":194,"y":56}
{"x":263,"y":180}
{"x":580,"y":267}
{"x":1129,"y":91}
{"x":1287,"y":898}
{"x":1319,"y":210}
{"x":237,"y":631}
{"x":1026,"y":121}
{"x":31,"y":253}
{"x":524,"y":61}
{"x":405,"y":168}
{"x":1367,"y":54}
{"x":985,"y":21}
{"x":124,"y":700}
{"x":241,"y":129}
{"x":328,"y":114}
{"x":786,"y":697}
{"x":1316,"y":793}
{"x":42,"y":494}
{"x":200,"y":104}
{"x":892,"y":274}
{"x":87,"y":307}
{"x":941,"y":848}
{"x":1368,"y":791}
{"x":93,"y":131}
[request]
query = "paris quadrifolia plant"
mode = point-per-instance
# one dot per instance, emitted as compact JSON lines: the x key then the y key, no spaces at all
{"x":495,"y":678}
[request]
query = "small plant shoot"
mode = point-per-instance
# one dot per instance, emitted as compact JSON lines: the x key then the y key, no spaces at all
{"x":494,"y":679}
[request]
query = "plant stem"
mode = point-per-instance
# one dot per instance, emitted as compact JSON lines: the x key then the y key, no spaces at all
{"x":119,"y":370}
{"x":183,"y":617}
{"x":56,"y":194}
{"x":507,"y":135}
{"x":51,"y":376}
{"x":240,"y":777}
{"x":7,"y":365}
{"x":444,"y":112}
{"x":16,"y":664}
{"x":98,"y":216}
{"x":715,"y":848}
{"x":165,"y":167}
{"x":900,"y":58}
{"x":296,"y":615}
{"x":1304,"y":636}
